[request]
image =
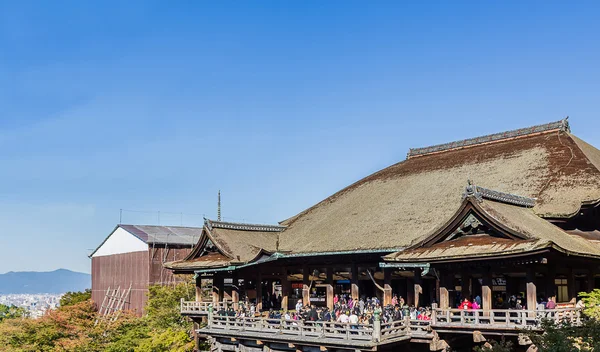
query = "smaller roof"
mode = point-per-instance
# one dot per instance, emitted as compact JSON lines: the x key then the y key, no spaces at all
{"x":513,"y":229}
{"x":235,"y":244}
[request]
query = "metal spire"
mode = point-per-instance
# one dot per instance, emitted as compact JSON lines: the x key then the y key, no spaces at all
{"x":219,"y":207}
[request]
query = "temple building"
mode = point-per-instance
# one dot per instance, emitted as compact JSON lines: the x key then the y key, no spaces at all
{"x":510,"y":214}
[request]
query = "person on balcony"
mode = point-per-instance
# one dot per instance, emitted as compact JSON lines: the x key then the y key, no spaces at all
{"x":465,"y":304}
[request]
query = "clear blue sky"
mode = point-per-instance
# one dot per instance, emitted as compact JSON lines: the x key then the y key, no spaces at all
{"x":158,"y":105}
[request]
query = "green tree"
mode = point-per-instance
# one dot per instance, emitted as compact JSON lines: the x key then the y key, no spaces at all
{"x":495,"y":346}
{"x":10,"y":312}
{"x":71,"y":298}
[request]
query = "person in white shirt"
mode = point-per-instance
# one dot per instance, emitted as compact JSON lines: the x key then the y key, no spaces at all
{"x":353,"y":319}
{"x":299,"y":306}
{"x":343,"y":318}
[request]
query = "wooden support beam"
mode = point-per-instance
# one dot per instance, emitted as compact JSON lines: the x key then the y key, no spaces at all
{"x":591,"y":280}
{"x":486,"y":293}
{"x":198,"y":288}
{"x":465,"y":285}
{"x":445,"y":283}
{"x":418,"y":289}
{"x":354,"y":283}
{"x":305,"y":285}
{"x":259,"y":299}
{"x":329,"y":288}
{"x":571,"y":286}
{"x":531,"y":291}
{"x":215,"y":288}
{"x":285,"y":290}
{"x":235,"y":290}
{"x":387,"y":286}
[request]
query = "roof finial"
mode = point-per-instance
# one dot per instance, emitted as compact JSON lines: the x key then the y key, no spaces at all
{"x":219,"y":207}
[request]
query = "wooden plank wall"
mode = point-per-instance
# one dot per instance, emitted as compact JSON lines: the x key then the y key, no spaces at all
{"x":158,"y":255}
{"x":122,"y":270}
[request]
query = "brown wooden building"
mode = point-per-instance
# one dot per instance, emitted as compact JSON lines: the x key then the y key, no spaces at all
{"x":133,"y":256}
{"x":514,"y":213}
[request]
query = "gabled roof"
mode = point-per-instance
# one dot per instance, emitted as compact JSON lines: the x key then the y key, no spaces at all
{"x":163,"y":235}
{"x":236,"y":243}
{"x":509,"y":229}
{"x":179,"y":235}
{"x":402,"y":204}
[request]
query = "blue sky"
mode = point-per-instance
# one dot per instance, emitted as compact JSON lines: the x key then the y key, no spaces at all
{"x":158,"y":105}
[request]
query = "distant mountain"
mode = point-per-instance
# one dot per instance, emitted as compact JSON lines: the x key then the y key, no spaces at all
{"x":57,"y":281}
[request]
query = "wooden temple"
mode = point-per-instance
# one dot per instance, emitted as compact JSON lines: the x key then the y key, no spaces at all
{"x":513,"y":213}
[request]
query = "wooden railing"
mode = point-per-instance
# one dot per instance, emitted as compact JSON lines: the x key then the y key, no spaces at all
{"x":202,"y":307}
{"x":503,"y":318}
{"x":283,"y":327}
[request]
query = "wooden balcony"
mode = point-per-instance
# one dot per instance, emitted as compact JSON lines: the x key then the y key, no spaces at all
{"x":501,"y":319}
{"x":196,"y":308}
{"x":360,"y":336}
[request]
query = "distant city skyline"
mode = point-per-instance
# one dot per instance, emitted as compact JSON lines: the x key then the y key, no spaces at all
{"x":156,"y":106}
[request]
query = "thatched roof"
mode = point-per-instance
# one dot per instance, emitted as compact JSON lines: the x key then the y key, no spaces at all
{"x":521,"y":231}
{"x":402,"y":204}
{"x":552,"y":171}
{"x":235,"y":243}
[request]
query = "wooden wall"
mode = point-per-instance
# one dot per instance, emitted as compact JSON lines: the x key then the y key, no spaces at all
{"x":121,"y":270}
{"x":159,"y":255}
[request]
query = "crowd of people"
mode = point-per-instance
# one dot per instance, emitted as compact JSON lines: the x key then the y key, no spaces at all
{"x":345,"y":310}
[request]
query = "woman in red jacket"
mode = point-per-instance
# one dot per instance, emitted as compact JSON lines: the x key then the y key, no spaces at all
{"x":465,"y":304}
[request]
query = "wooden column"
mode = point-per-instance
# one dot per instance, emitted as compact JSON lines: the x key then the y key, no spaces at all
{"x":591,"y":280}
{"x":285,"y":290}
{"x":571,"y":285}
{"x":417,"y":288}
{"x":387,"y":286}
{"x":486,"y":292}
{"x":259,"y":299}
{"x":465,"y":291}
{"x":531,"y":290}
{"x":217,"y":288}
{"x":354,"y":283}
{"x":235,"y":290}
{"x":305,"y":286}
{"x":329,"y":288}
{"x":198,"y":288}
{"x":445,"y":282}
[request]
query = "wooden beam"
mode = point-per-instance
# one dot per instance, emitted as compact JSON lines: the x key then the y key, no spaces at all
{"x":531,"y":291}
{"x":387,"y":286}
{"x":354,"y":292}
{"x":305,"y":285}
{"x":486,"y":292}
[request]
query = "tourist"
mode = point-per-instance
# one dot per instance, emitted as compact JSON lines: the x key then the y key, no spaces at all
{"x":465,"y":304}
{"x":353,"y":319}
{"x":550,"y":304}
{"x":343,"y":318}
{"x":299,"y":305}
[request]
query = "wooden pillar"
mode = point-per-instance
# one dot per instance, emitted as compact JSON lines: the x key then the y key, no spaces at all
{"x":591,"y":280}
{"x":198,"y":288}
{"x":235,"y":290}
{"x":387,"y":286}
{"x":550,"y":284}
{"x":259,"y":298}
{"x":571,"y":285}
{"x":445,"y":282}
{"x":329,"y":288}
{"x":531,"y":290}
{"x":285,"y":290}
{"x":465,"y":290}
{"x":305,"y":286}
{"x":215,"y":289}
{"x":354,"y":283}
{"x":417,"y":288}
{"x":486,"y":292}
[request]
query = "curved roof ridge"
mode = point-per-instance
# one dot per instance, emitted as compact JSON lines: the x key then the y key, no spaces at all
{"x":562,"y":125}
{"x":498,"y":196}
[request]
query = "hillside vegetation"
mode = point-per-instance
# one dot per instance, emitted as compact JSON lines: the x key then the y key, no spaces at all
{"x":73,"y":326}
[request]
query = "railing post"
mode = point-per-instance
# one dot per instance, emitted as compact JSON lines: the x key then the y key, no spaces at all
{"x":476,"y":313}
{"x":433,"y":317}
{"x":210,"y":316}
{"x":376,"y":330}
{"x":348,"y":331}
